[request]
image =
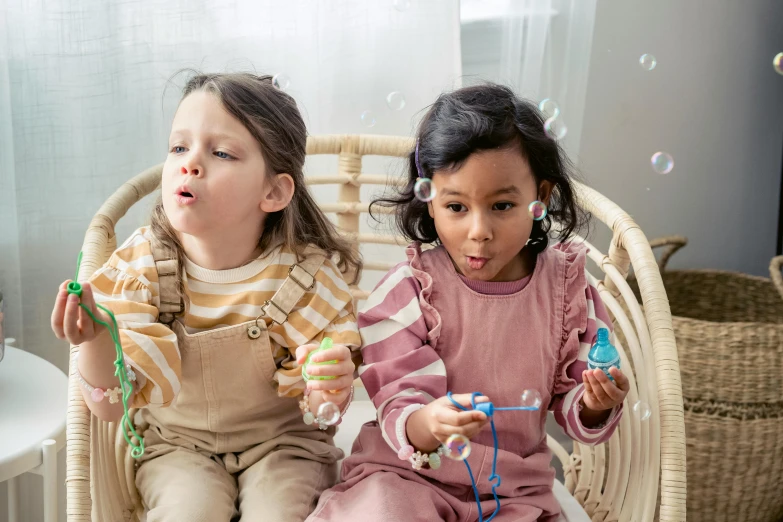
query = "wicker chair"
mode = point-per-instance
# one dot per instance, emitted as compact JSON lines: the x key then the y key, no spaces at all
{"x":615,"y":481}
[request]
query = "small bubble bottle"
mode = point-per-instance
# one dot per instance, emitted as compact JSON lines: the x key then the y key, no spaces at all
{"x":603,"y":355}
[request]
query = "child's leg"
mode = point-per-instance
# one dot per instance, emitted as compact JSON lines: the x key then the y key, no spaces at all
{"x":284,"y":485}
{"x":185,"y":485}
{"x":384,"y":496}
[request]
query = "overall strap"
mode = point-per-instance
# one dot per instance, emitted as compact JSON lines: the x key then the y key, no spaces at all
{"x":300,"y":280}
{"x":168,"y":282}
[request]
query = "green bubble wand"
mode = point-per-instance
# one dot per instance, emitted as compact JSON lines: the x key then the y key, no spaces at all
{"x":137,"y":448}
{"x":325,"y":345}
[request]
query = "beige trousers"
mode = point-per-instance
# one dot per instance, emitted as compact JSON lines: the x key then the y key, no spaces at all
{"x":229,"y":448}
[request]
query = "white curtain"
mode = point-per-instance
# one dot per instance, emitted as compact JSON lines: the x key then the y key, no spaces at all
{"x":541,"y":48}
{"x":86,"y":102}
{"x":82,"y":104}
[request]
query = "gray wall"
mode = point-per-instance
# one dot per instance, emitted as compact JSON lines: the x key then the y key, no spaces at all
{"x":714,"y":102}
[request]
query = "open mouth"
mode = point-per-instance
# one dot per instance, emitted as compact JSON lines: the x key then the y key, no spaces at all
{"x":184,"y":196}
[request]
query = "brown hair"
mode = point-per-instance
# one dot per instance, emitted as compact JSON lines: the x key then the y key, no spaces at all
{"x":273,"y":119}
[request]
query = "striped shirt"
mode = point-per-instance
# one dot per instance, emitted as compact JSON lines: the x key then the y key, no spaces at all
{"x":128,"y":286}
{"x":402,"y":372}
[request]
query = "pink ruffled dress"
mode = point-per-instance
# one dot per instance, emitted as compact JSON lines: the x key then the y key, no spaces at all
{"x":427,"y":331}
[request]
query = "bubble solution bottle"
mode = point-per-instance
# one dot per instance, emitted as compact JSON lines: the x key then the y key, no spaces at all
{"x":603,"y":355}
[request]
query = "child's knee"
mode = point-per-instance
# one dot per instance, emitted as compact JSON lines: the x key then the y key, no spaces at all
{"x":186,"y":486}
{"x":283,"y":487}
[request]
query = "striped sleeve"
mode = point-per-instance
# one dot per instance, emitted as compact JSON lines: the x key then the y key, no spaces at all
{"x":128,"y":286}
{"x":326,"y":311}
{"x":566,"y":405}
{"x":401,"y":372}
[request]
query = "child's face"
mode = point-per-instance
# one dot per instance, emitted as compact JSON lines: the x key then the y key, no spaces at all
{"x":481,"y":213}
{"x":214,"y":176}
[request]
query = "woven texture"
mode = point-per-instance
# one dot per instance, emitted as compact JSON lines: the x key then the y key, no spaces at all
{"x":729,"y":331}
{"x":618,"y":481}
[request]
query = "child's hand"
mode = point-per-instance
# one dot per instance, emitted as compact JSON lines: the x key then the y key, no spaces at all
{"x":335,"y":390}
{"x":70,"y":321}
{"x":600,"y":392}
{"x":441,"y":419}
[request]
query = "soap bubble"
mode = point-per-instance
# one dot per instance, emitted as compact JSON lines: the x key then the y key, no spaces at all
{"x":424,"y":190}
{"x":402,"y":5}
{"x":395,"y":100}
{"x":281,"y":81}
{"x":662,"y":162}
{"x":642,"y":410}
{"x":368,"y":119}
{"x":457,"y":447}
{"x":777,"y":63}
{"x":648,"y":62}
{"x":537,"y":210}
{"x":555,"y":129}
{"x":531,"y":399}
{"x":549,"y":108}
{"x":329,"y":412}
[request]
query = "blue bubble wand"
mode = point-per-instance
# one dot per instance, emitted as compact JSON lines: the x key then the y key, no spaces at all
{"x":489,"y":409}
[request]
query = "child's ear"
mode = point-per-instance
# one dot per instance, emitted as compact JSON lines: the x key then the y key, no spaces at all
{"x":545,"y":192}
{"x":279,"y":193}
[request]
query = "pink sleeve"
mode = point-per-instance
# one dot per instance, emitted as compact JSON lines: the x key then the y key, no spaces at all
{"x":585,"y":314}
{"x":400,"y":371}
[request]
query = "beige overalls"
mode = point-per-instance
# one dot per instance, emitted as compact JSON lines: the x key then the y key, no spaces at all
{"x":228,"y":444}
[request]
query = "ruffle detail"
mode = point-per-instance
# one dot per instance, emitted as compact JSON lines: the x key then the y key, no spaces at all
{"x":431,"y":315}
{"x":575,"y":313}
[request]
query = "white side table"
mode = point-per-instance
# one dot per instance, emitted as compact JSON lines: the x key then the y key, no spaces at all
{"x":33,"y":402}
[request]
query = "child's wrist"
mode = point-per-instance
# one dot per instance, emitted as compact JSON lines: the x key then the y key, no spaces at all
{"x":311,"y":403}
{"x":591,"y":418}
{"x":419,"y":433}
{"x":421,"y":448}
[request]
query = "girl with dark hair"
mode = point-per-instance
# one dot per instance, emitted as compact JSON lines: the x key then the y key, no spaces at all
{"x":492,"y":308}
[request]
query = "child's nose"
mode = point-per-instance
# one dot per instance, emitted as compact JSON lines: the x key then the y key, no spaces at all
{"x":480,"y":229}
{"x":193,"y":171}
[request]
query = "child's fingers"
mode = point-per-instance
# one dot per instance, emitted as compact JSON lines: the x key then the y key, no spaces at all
{"x":86,"y":324}
{"x":333,"y":384}
{"x":443,"y":431}
{"x":302,"y":351}
{"x":450,"y":417}
{"x":87,"y":297}
{"x":464,"y":399}
{"x":58,"y":312}
{"x":71,"y":318}
{"x":338,"y":352}
{"x":620,"y":379}
{"x":589,"y":392}
{"x":615,"y":394}
{"x":336,"y":396}
{"x":597,"y":389}
{"x":331,"y":370}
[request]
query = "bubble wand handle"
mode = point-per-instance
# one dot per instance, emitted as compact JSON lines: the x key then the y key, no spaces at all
{"x":489,"y":409}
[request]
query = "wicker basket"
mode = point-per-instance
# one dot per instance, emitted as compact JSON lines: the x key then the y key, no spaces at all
{"x":729,"y":332}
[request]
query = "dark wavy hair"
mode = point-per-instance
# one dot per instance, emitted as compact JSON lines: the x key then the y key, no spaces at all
{"x":482,"y":117}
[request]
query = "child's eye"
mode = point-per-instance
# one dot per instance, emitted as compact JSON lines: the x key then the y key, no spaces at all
{"x":456,"y":207}
{"x":223,"y":155}
{"x":503,"y":206}
{"x":177,"y":149}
